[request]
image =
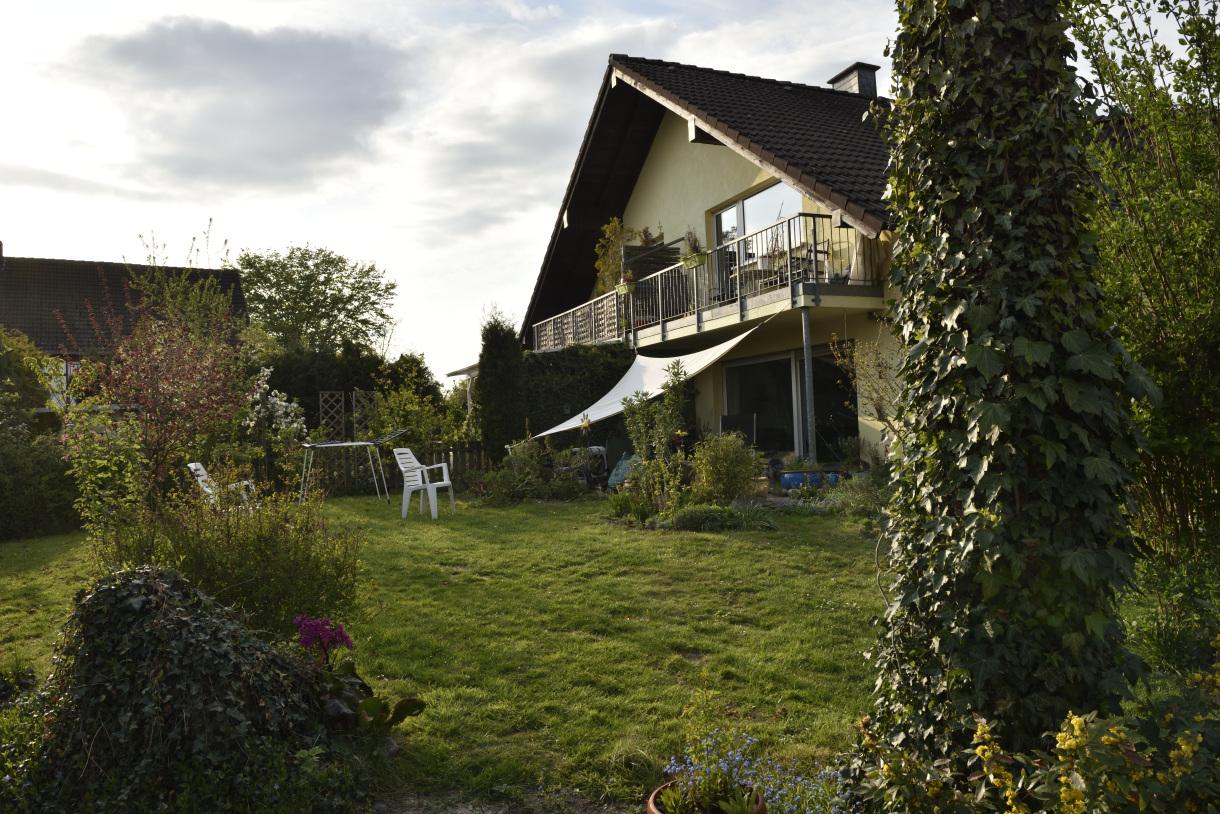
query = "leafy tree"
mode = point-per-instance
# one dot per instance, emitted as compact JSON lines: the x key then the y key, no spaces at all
{"x":1157,"y":156}
{"x":302,"y":373}
{"x":315,"y":299}
{"x":410,"y":370}
{"x":499,"y":392}
{"x":21,"y":370}
{"x":1006,"y":536}
{"x":175,"y":388}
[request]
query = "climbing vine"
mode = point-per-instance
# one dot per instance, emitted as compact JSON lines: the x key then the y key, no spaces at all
{"x":1005,"y":537}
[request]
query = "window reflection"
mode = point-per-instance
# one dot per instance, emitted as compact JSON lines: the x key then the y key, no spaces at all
{"x":726,"y":225}
{"x":770,"y":206}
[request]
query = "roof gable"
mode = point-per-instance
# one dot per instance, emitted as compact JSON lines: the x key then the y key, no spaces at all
{"x":817,"y":139}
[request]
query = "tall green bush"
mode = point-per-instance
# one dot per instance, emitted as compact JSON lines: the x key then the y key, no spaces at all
{"x":725,"y":468}
{"x":657,"y":428}
{"x":161,"y":701}
{"x":36,"y":492}
{"x":1157,"y":158}
{"x":1006,"y":536}
{"x":561,"y":383}
{"x":499,"y":392}
{"x":270,"y":557}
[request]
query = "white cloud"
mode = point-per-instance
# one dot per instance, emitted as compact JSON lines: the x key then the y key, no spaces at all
{"x":460,"y":129}
{"x":523,"y":12}
{"x":220,"y":104}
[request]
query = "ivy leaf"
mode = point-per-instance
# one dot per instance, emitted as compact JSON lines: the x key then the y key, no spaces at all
{"x":1101,"y":469}
{"x":1032,"y":351}
{"x":985,"y":360}
{"x":1079,"y":397}
{"x":1080,"y":562}
{"x":1095,"y":360}
{"x":1076,"y":340}
{"x":993,"y":418}
{"x":1097,"y":623}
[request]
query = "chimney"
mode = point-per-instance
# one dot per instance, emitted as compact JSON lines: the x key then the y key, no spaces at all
{"x":860,"y":78}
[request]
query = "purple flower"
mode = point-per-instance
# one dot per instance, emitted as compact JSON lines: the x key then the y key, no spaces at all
{"x":321,"y":635}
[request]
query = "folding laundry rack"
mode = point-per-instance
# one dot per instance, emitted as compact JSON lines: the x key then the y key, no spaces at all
{"x":372,"y":447}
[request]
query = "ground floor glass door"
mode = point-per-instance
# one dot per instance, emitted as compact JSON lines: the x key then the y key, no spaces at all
{"x":765,"y":401}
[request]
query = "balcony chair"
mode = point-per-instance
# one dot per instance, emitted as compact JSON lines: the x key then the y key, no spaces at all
{"x":415,"y":478}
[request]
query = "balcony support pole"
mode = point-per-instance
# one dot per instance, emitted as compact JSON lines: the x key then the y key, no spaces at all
{"x":811,"y":446}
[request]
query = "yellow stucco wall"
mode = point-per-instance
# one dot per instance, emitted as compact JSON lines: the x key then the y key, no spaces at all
{"x":681,"y":181}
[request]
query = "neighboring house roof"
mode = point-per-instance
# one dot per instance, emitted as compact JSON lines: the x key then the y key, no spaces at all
{"x":816,"y":139}
{"x":56,"y":303}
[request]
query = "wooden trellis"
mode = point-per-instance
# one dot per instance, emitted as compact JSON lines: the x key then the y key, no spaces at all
{"x":332,"y":416}
{"x":364,"y":407}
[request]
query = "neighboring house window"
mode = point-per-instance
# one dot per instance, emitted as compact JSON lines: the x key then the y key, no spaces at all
{"x":757,"y":211}
{"x":58,"y":376}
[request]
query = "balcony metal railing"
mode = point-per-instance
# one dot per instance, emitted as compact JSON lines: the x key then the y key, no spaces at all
{"x":601,"y":320}
{"x":803,"y":248}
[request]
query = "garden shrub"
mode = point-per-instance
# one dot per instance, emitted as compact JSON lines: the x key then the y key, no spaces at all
{"x":862,"y":495}
{"x":754,"y":515}
{"x":657,"y":428}
{"x":1177,"y":611}
{"x":534,"y":471}
{"x":271,"y":557}
{"x":703,"y":517}
{"x":725,"y":469}
{"x":36,"y":492}
{"x":161,"y":701}
{"x":629,"y":504}
{"x":1162,"y":755}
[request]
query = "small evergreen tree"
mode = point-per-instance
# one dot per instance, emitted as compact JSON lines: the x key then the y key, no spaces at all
{"x":498,"y":390}
{"x":1006,"y":534}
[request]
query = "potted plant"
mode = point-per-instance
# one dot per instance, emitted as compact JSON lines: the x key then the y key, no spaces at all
{"x":694,"y":255}
{"x":800,"y":472}
{"x":719,"y":774}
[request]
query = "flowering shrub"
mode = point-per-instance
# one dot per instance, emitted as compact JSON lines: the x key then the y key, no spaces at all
{"x":1163,"y":757}
{"x":725,"y":772}
{"x":321,"y":636}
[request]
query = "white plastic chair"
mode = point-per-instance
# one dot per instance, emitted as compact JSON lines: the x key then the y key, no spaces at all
{"x":415,"y":478}
{"x":210,"y":488}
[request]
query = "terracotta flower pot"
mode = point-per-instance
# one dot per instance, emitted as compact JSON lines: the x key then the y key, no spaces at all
{"x":655,"y":808}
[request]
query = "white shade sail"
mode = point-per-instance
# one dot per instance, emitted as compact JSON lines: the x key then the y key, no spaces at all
{"x":646,"y":374}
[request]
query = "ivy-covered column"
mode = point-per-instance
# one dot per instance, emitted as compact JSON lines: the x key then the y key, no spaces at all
{"x":1005,"y":537}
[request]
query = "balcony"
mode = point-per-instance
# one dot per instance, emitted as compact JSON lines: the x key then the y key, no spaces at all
{"x":798,"y":261}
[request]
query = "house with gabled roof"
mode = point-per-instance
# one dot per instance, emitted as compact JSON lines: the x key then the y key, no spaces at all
{"x":71,"y":309}
{"x":774,"y":242}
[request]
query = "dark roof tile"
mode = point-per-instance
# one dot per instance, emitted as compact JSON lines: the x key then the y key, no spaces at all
{"x":819,"y":132}
{"x":61,"y":304}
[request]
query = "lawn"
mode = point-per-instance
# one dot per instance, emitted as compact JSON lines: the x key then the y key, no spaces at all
{"x":557,"y":651}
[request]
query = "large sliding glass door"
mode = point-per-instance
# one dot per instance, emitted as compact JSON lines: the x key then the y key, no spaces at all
{"x":764,"y":399}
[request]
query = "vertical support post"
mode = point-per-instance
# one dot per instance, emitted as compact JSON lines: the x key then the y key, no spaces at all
{"x":694,"y":282}
{"x":635,"y":339}
{"x":788,"y":248}
{"x":811,"y":445}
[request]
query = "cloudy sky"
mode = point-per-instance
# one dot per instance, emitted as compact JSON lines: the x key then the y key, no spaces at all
{"x":434,"y":139}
